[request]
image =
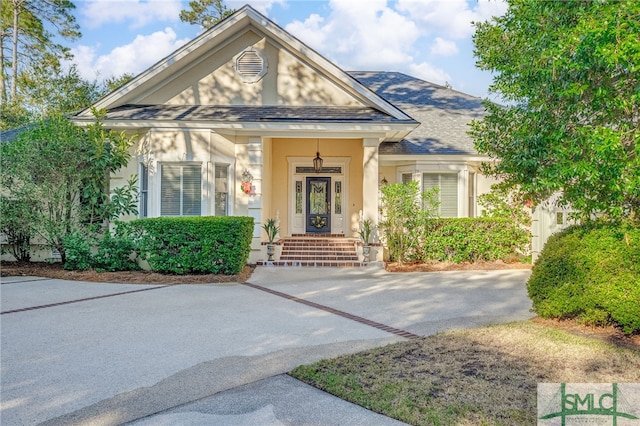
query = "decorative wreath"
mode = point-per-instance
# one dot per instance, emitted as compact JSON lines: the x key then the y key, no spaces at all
{"x":245,"y":185}
{"x":319,"y":222}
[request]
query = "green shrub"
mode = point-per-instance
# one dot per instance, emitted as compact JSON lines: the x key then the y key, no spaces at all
{"x":473,"y":240}
{"x":591,"y":273}
{"x":183,"y":245}
{"x":78,"y":249}
{"x":114,"y":251}
{"x":117,"y":251}
{"x":405,"y":211}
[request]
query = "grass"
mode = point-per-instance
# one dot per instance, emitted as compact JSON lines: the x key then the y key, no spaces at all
{"x":485,"y":376}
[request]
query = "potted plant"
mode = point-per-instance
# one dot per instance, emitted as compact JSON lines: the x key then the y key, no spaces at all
{"x":272,"y":230}
{"x":366,"y":227}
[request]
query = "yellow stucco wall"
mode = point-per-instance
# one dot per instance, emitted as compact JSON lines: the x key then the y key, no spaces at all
{"x":283,"y":148}
{"x":213,"y":81}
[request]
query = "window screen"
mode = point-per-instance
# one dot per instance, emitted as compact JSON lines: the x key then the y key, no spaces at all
{"x":180,"y":187}
{"x":448,"y":194}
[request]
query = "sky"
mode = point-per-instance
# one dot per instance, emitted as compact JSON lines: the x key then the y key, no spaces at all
{"x":428,"y":39}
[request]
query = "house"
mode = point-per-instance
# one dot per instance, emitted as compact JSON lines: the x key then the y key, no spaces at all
{"x":247,"y":120}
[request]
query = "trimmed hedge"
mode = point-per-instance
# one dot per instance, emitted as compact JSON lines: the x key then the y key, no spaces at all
{"x":198,"y":244}
{"x":473,"y":240}
{"x":591,"y":273}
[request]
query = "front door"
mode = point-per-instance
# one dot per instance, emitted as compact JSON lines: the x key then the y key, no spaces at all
{"x":318,"y":204}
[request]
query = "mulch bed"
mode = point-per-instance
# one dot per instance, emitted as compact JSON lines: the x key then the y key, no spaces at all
{"x":55,"y":270}
{"x":450,"y":266}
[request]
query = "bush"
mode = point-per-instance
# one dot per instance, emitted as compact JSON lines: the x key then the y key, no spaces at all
{"x":117,"y":251}
{"x":78,"y":249}
{"x":405,"y":210}
{"x":113,"y":252}
{"x":591,"y":273}
{"x":183,"y":245}
{"x":473,"y":240}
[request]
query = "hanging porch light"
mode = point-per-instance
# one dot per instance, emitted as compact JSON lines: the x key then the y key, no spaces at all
{"x":317,"y":162}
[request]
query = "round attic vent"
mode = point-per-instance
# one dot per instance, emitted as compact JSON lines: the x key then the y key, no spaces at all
{"x":250,"y":65}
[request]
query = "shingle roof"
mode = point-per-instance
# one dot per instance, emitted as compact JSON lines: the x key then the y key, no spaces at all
{"x":443,"y":113}
{"x":252,"y":113}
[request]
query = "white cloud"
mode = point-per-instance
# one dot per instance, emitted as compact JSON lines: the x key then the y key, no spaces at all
{"x":359,"y":35}
{"x":133,"y":58}
{"x":451,"y":18}
{"x":310,"y":31}
{"x":137,"y":13}
{"x":442,"y":47}
{"x":428,"y":72}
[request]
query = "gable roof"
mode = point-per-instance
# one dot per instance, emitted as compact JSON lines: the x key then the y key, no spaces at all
{"x":443,"y":114}
{"x":220,"y":34}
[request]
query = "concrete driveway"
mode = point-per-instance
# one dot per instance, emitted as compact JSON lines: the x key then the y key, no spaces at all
{"x":103,"y":354}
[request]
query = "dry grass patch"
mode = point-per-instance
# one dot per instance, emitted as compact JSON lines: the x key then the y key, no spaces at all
{"x":473,"y":377}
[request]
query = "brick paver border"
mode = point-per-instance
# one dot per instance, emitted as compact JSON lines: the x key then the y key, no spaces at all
{"x":361,"y":320}
{"x":68,"y":302}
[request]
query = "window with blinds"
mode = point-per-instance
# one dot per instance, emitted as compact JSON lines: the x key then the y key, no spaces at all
{"x":448,"y":194}
{"x":407,"y":177}
{"x":180,"y":189}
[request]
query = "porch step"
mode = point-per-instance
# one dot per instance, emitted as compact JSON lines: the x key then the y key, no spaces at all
{"x":323,"y":250}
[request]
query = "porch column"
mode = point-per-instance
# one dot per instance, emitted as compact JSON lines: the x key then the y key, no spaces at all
{"x":370,"y":179}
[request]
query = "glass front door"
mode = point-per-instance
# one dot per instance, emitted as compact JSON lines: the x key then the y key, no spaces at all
{"x":318,"y":212}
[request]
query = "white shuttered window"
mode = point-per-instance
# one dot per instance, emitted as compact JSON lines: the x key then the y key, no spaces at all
{"x":448,"y":194}
{"x":180,"y":188}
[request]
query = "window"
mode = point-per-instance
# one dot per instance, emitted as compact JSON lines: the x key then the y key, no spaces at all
{"x":222,"y":189}
{"x":407,"y":177}
{"x":448,"y":194}
{"x":472,"y":194}
{"x":180,"y":187}
{"x":144,"y":190}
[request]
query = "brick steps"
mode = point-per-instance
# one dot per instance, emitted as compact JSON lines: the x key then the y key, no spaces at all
{"x":323,"y":250}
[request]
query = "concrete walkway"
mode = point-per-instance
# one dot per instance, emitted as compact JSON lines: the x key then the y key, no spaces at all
{"x":105,"y":354}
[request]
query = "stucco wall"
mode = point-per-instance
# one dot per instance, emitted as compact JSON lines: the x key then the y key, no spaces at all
{"x":213,"y":81}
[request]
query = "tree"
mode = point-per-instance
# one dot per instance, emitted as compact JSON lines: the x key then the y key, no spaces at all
{"x":205,"y":13}
{"x":26,"y":38}
{"x":49,"y":90}
{"x":61,"y":172}
{"x":569,"y":73}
